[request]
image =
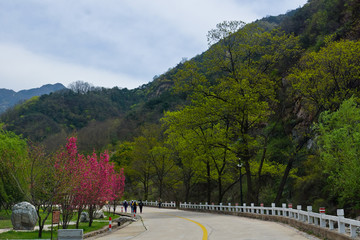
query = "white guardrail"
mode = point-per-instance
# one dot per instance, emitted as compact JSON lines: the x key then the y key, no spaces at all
{"x":163,"y":204}
{"x":319,"y":219}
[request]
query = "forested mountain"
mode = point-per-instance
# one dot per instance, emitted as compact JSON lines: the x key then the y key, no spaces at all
{"x":9,"y":98}
{"x":270,"y":96}
{"x":98,"y":116}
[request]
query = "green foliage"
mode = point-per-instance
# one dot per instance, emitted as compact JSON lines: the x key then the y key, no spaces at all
{"x":319,"y":18}
{"x":311,"y":178}
{"x":13,"y":155}
{"x":231,"y":94}
{"x":339,"y":144}
{"x":327,"y":77}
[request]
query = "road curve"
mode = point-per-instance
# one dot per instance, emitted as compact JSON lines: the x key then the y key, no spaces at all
{"x":165,"y":224}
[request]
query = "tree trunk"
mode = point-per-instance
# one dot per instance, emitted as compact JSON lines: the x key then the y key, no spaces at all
{"x":40,"y":231}
{"x":208,"y":182}
{"x":160,"y":188}
{"x":187,"y":190}
{"x":146,"y":191}
{"x":91,"y":214}
{"x":259,"y":173}
{"x":283,"y":181}
{"x":288,"y":168}
{"x":39,"y":220}
{"x":220,"y":189}
{"x":250,"y":195}
{"x":78,"y":217}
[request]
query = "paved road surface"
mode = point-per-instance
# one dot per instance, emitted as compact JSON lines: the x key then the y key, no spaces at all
{"x":166,"y":224}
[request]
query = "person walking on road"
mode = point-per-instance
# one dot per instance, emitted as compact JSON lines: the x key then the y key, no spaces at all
{"x":135,"y":204}
{"x":132,"y":206}
{"x":125,"y":204}
{"x":141,"y":204}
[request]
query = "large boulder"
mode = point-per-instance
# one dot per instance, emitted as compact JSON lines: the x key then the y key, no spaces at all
{"x":24,"y":216}
{"x":84,"y":217}
{"x":99,"y":214}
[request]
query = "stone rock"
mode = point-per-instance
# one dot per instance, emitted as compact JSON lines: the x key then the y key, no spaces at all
{"x":84,"y":217}
{"x":24,"y":216}
{"x":99,"y":214}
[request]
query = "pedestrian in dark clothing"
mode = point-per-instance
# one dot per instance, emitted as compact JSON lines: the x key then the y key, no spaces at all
{"x":134,"y":204}
{"x":125,"y":204}
{"x":141,"y":204}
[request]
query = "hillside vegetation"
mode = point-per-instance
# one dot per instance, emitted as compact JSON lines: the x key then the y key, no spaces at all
{"x":277,"y":97}
{"x":9,"y":98}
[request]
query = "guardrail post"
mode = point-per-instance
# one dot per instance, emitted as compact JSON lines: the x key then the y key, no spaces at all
{"x":229,"y":208}
{"x":284,"y":209}
{"x":273,"y":208}
{"x":309,"y":210}
{"x":298,"y":207}
{"x":206,"y":205}
{"x":290,"y":211}
{"x":221,"y":207}
{"x":340,"y":213}
{"x":331,"y":225}
{"x":244,"y":207}
{"x":322,"y":220}
{"x":252,"y":208}
{"x":262,"y":208}
{"x":353,"y":232}
{"x":316,"y":220}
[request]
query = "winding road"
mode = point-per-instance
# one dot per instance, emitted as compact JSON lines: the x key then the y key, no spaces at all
{"x":169,"y":224}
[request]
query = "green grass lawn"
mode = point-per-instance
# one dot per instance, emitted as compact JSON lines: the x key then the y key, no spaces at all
{"x":5,"y":219}
{"x":27,"y":235}
{"x":5,"y":222}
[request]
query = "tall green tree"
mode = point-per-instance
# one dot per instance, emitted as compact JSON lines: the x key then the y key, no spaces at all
{"x":208,"y":146}
{"x":234,"y":88}
{"x":140,"y":169}
{"x":13,"y":163}
{"x":194,"y":165}
{"x":41,"y":179}
{"x":339,"y":144}
{"x":325,"y":78}
{"x":321,"y":81}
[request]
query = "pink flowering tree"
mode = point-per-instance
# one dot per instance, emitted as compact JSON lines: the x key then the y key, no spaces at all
{"x":99,"y":183}
{"x":118,"y":186}
{"x":69,"y":167}
{"x":88,"y":182}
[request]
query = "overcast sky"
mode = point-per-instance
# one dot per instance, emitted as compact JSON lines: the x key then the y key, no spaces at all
{"x":109,"y":43}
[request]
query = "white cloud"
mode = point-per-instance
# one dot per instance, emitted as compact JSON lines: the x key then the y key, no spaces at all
{"x":133,"y":39}
{"x":22,"y":69}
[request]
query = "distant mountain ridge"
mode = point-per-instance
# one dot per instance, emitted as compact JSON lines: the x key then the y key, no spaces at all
{"x":9,"y":98}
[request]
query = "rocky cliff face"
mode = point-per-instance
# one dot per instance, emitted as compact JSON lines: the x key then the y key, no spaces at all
{"x":9,"y":98}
